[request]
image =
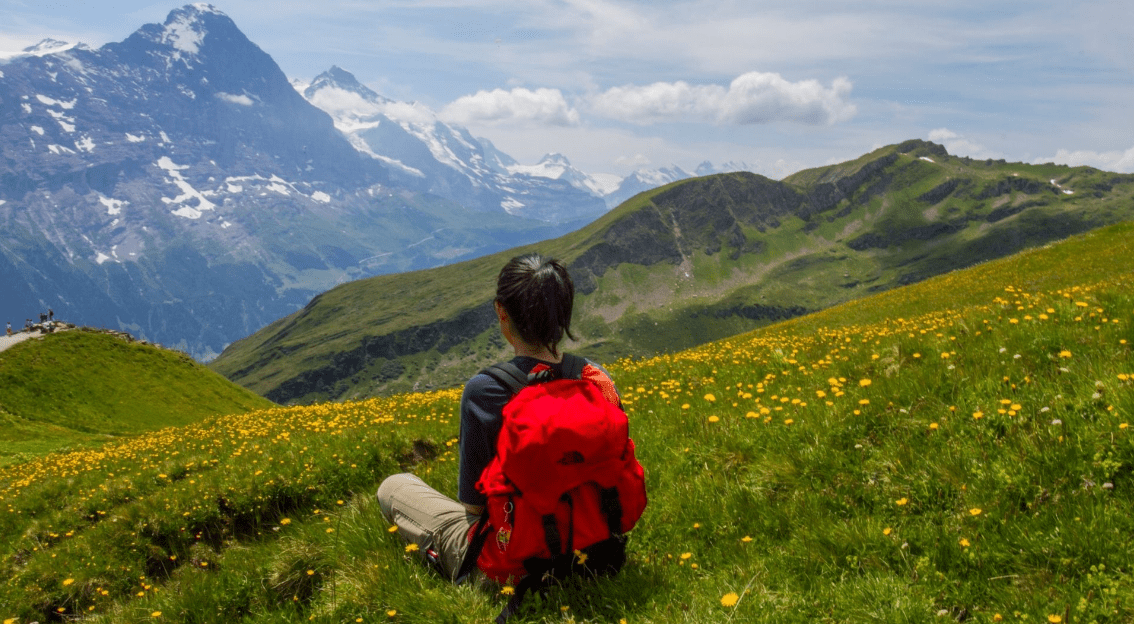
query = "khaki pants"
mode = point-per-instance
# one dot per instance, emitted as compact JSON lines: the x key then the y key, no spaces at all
{"x":438,"y":524}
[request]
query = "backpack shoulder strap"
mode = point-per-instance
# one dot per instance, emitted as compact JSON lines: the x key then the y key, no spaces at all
{"x":515,"y":379}
{"x":573,"y":366}
{"x":509,"y":375}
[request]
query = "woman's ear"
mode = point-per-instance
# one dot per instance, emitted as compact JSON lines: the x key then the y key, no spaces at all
{"x":501,"y":313}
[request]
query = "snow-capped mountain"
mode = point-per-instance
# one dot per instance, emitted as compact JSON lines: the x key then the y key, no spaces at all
{"x":50,"y":46}
{"x":411,"y":139}
{"x":708,"y":168}
{"x":557,"y":167}
{"x":419,"y":148}
{"x":176,"y":185}
{"x":644,"y":180}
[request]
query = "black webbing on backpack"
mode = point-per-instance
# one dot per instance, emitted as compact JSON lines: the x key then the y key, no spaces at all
{"x":515,"y":379}
{"x":611,"y":507}
{"x":573,"y":366}
{"x":551,"y":535}
{"x":508,"y":374}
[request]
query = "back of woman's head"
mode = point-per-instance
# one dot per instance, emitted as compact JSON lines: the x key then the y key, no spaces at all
{"x":538,"y":294}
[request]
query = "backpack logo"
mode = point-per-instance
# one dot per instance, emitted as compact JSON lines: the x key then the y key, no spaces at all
{"x":571,"y":457}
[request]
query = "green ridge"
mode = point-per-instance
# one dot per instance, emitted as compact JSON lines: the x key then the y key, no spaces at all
{"x":688,"y":263}
{"x":81,"y":387}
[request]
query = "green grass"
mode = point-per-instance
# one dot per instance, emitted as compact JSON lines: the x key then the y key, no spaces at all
{"x":831,"y":468}
{"x":79,"y":387}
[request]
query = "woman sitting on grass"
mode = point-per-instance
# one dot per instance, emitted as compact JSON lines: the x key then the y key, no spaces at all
{"x":534,"y":298}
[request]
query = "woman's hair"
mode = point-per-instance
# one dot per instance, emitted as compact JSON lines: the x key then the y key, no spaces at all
{"x":538,"y":294}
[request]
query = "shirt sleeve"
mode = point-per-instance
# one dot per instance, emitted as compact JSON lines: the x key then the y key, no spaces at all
{"x":482,"y":406}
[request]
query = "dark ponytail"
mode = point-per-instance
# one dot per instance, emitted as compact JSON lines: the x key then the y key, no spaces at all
{"x":538,"y":294}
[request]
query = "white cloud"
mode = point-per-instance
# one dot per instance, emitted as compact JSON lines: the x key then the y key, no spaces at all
{"x":637,"y":160}
{"x":752,"y":98}
{"x":958,"y":145}
{"x":540,"y":107}
{"x":1121,"y":162}
{"x":338,"y":101}
{"x":410,"y":112}
{"x":231,"y":98}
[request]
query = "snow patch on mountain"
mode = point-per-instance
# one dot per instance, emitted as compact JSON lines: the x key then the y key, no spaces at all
{"x":173,"y":171}
{"x":43,"y":99}
{"x":113,"y":206}
{"x":184,"y":32}
{"x":65,"y":122}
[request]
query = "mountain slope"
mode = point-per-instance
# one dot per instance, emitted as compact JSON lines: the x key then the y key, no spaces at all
{"x":84,"y":387}
{"x":688,"y":263}
{"x":175,"y":185}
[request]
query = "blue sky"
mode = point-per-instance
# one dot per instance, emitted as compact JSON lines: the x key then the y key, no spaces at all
{"x":617,"y":84}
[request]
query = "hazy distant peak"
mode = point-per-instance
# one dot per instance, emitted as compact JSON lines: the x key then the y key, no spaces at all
{"x":49,"y":46}
{"x":708,"y":168}
{"x":337,"y":77}
{"x":554,"y":158}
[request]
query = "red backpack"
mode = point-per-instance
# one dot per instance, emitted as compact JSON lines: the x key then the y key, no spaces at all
{"x":564,"y":486}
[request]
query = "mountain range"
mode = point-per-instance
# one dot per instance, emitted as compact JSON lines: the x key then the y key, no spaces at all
{"x":687,"y":263}
{"x":179,"y":186}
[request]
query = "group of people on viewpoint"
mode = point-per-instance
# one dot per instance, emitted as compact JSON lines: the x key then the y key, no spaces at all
{"x":44,"y":317}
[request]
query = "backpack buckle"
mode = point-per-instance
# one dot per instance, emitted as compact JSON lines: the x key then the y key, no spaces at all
{"x":544,"y":375}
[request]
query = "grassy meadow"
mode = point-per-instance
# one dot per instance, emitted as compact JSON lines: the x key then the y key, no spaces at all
{"x":955,"y":450}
